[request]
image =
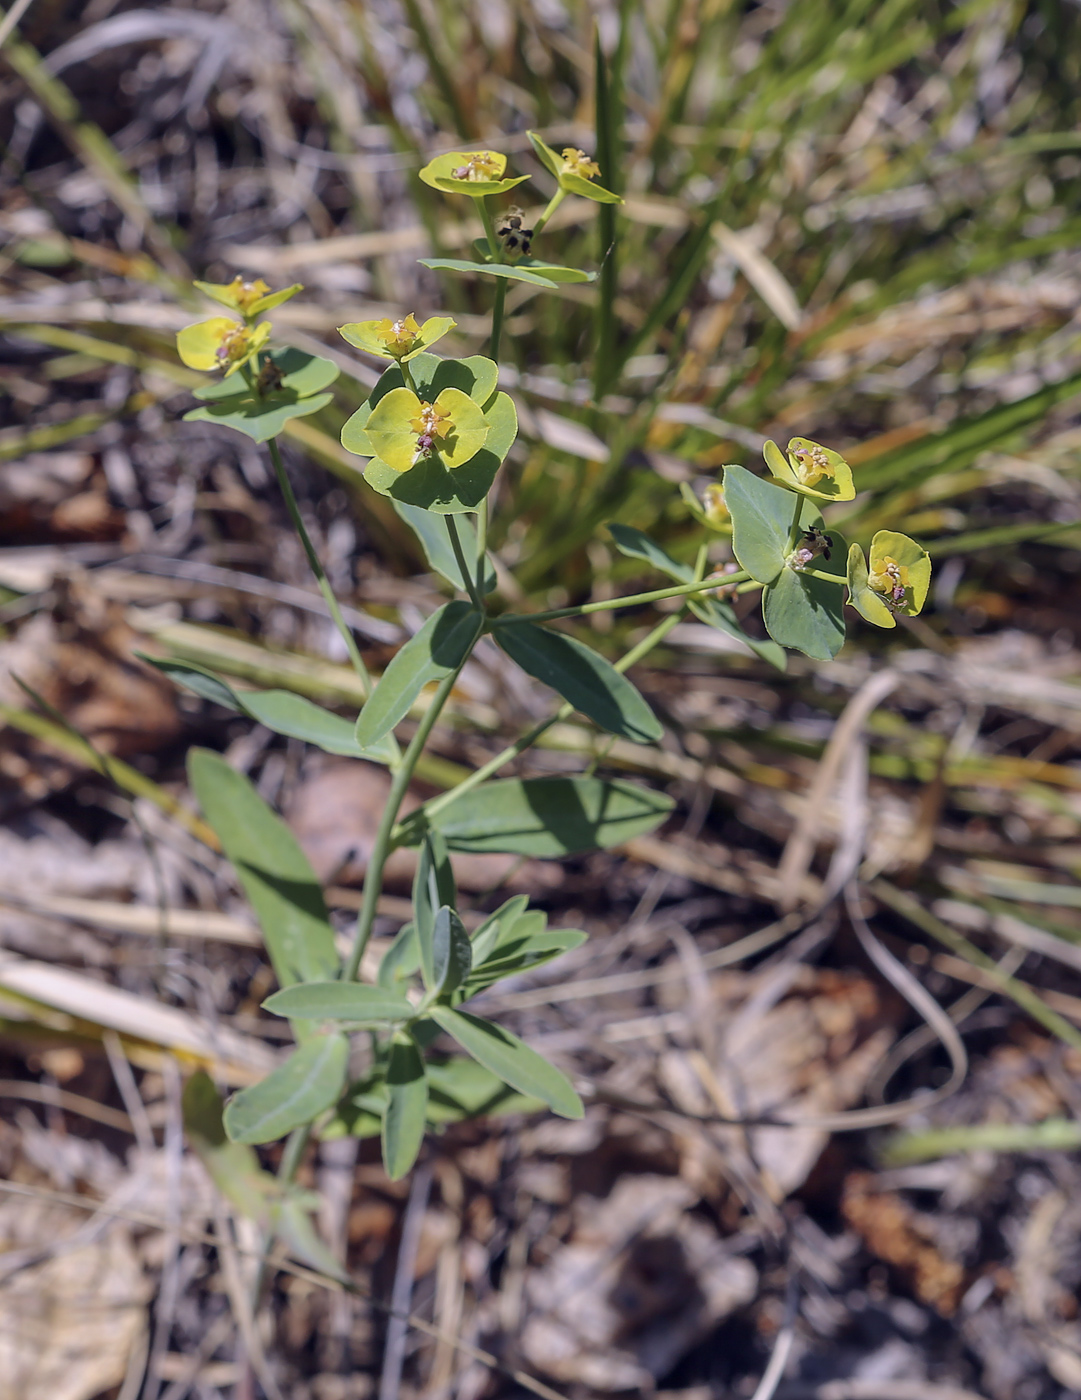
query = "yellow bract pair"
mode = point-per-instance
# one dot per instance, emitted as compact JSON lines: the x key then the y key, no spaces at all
{"x":222,"y":343}
{"x":397,"y":340}
{"x":810,"y":469}
{"x":895,"y":580}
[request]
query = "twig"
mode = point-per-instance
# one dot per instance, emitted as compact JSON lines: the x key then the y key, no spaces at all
{"x":402,"y":1292}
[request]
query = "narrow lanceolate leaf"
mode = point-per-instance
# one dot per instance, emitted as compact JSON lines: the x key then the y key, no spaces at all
{"x":433,"y":886}
{"x":547,"y":816}
{"x":296,"y":1092}
{"x":452,"y":952}
{"x":274,"y":871}
{"x":637,"y":545}
{"x":406,"y":1107}
{"x":432,"y":533}
{"x":339,"y":1001}
{"x":439,"y":648}
{"x":511,"y":1059}
{"x":583,"y":677}
{"x":299,"y":718}
{"x":283,"y":711}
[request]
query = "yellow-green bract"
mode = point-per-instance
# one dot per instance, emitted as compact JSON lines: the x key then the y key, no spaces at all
{"x":397,"y":340}
{"x":404,"y":430}
{"x":221,"y":343}
{"x":574,"y":171}
{"x":896,"y":581}
{"x":249,"y":298}
{"x":810,"y":469}
{"x":475,"y":173}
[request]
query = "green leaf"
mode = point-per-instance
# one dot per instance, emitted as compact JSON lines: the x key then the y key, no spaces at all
{"x":233,"y":1167}
{"x":510,"y":272}
{"x":274,"y":871}
{"x":862,"y":596}
{"x":433,"y":886}
{"x":294,"y":715}
{"x":280,"y":710}
{"x":197,"y":679}
{"x":406,"y":1107}
{"x":293,"y":1094}
{"x":293,"y":1225}
{"x":432,"y":533}
{"x":511,"y":1059}
{"x":461,"y":1088}
{"x":722,"y":616}
{"x":637,"y":545}
{"x":452,"y":952}
{"x":233,"y":403}
{"x":807,"y":613}
{"x":762,"y":519}
{"x":439,"y":648}
{"x":339,"y":1001}
{"x":401,"y":959}
{"x":259,"y":419}
{"x":488,"y":935}
{"x":521,"y":953}
{"x":583,"y":677}
{"x":546,"y":816}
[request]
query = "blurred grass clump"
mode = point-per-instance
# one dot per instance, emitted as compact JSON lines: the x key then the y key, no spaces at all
{"x":851,"y":222}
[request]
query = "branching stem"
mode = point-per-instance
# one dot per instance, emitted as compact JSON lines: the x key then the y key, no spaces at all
{"x":373,"y":878}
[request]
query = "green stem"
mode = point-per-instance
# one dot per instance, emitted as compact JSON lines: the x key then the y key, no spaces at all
{"x":494,"y":246}
{"x":373,"y":879}
{"x":407,"y":377}
{"x":482,"y":542}
{"x":794,"y":529}
{"x":821,"y":573}
{"x":463,"y":563}
{"x":553,"y":204}
{"x":497,"y":319}
{"x":317,"y":568}
{"x":444,"y":800}
{"x":677,"y":591}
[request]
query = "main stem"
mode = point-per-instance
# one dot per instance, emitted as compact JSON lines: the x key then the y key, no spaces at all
{"x":463,"y":563}
{"x":496,"y":250}
{"x":317,"y":568}
{"x":373,"y":879}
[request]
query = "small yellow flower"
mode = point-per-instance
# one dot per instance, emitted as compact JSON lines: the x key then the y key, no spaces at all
{"x":576,"y":162}
{"x":221,"y":343}
{"x":715,"y":509}
{"x":404,"y":430}
{"x":246,"y":294}
{"x":480,"y":165}
{"x":399,"y":336}
{"x":400,"y":340}
{"x":810,"y":469}
{"x":887,"y":576}
{"x":251,"y":299}
{"x":812,"y":464}
{"x":430,"y":424}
